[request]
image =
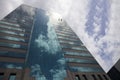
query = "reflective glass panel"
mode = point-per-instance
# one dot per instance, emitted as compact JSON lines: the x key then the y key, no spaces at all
{"x":12,"y":38}
{"x":9,"y":23}
{"x":12,"y":45}
{"x":86,"y":69}
{"x":11,"y":32}
{"x":12,"y":54}
{"x":80,"y":60}
{"x":13,"y":28}
{"x":11,"y":65}
{"x":12,"y":76}
{"x":79,"y":54}
{"x":46,"y":58}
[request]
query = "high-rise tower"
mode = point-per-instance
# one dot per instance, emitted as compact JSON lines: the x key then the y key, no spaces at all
{"x":80,"y":63}
{"x":15,"y":34}
{"x":39,"y":45}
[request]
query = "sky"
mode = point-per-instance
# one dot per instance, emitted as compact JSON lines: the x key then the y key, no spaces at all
{"x":96,"y":22}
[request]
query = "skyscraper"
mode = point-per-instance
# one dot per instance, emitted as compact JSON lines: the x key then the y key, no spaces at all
{"x":39,"y":45}
{"x":15,"y":33}
{"x":81,"y":64}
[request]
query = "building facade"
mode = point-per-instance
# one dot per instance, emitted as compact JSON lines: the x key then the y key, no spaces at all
{"x":15,"y":36}
{"x":39,"y":45}
{"x":115,"y":70}
{"x":80,"y":62}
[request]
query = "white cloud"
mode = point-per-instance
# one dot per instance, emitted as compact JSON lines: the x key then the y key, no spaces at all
{"x":58,"y":74}
{"x":61,"y":61}
{"x":36,"y":71}
{"x":96,"y":27}
{"x":49,"y":42}
{"x":97,"y":19}
{"x":35,"y":67}
{"x":77,"y":20}
{"x":109,"y":52}
{"x":41,"y":42}
{"x":13,"y":66}
{"x":112,"y":38}
{"x":60,"y":6}
{"x":99,"y":9}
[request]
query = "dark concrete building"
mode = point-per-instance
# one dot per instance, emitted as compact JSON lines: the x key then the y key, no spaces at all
{"x":114,"y":72}
{"x":35,"y":45}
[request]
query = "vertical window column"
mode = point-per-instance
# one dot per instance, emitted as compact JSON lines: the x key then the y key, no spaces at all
{"x":100,"y":77}
{"x":77,"y":77}
{"x":105,"y":77}
{"x":12,"y":76}
{"x":94,"y":77}
{"x":1,"y":76}
{"x":84,"y":76}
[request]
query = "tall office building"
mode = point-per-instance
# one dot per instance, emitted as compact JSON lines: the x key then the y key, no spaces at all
{"x":39,"y":45}
{"x":15,"y":33}
{"x":80,"y":63}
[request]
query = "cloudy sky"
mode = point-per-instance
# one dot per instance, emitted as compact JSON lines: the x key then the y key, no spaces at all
{"x":96,"y":22}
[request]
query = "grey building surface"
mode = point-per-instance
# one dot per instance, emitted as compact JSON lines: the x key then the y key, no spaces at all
{"x":35,"y":46}
{"x":114,"y":72}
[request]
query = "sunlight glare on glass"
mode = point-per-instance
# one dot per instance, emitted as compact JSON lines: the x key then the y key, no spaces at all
{"x":54,"y":18}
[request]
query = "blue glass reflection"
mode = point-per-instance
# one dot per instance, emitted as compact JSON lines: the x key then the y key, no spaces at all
{"x":12,"y":54}
{"x":45,"y":56}
{"x":86,"y":69}
{"x":2,"y":22}
{"x":81,"y":60}
{"x":12,"y":45}
{"x":11,"y":65}
{"x":79,"y":54}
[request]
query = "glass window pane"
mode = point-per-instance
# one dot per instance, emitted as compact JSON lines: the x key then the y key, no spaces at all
{"x":77,"y":77}
{"x":86,"y":69}
{"x":100,"y":77}
{"x":105,"y":77}
{"x":11,"y":32}
{"x":12,"y":38}
{"x":12,"y":54}
{"x":12,"y":76}
{"x":79,"y":54}
{"x":12,"y":45}
{"x":66,"y":38}
{"x":9,"y":23}
{"x":13,"y":28}
{"x":11,"y":65}
{"x":85,"y":78}
{"x":80,"y":60}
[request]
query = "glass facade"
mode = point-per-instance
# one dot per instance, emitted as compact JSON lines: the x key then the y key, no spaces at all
{"x":79,"y":54}
{"x":85,"y":69}
{"x":12,"y":76}
{"x":45,"y":50}
{"x":10,"y":24}
{"x":15,"y":37}
{"x":78,"y":58}
{"x":31,"y":38}
{"x":81,"y":60}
